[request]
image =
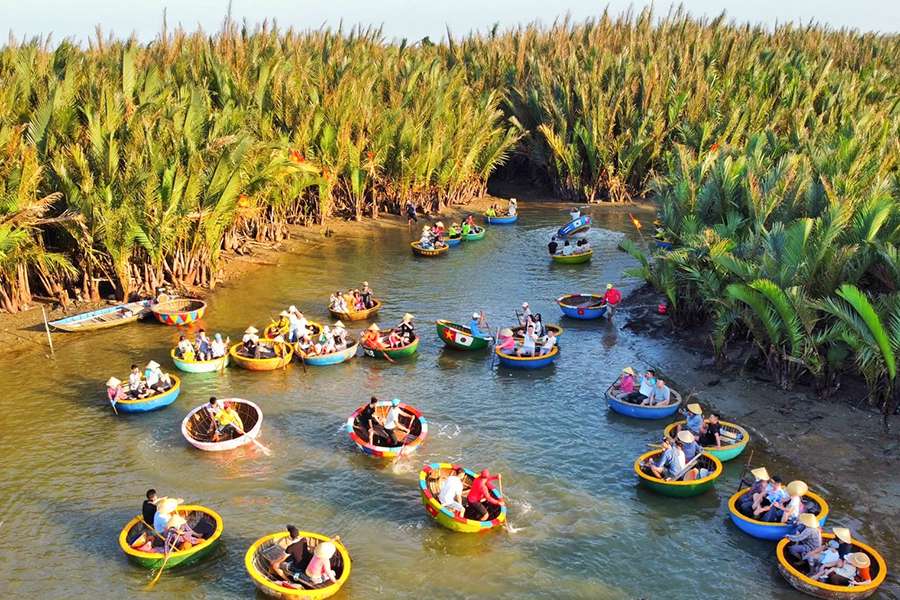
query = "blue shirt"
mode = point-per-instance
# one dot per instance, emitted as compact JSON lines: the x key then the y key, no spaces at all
{"x":691,"y":450}
{"x":778,"y":495}
{"x":473,"y":327}
{"x":694,"y":422}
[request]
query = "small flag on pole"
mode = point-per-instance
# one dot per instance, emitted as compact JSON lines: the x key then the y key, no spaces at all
{"x":637,"y":224}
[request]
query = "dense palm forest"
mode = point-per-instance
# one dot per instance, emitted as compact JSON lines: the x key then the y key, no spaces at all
{"x":772,"y":154}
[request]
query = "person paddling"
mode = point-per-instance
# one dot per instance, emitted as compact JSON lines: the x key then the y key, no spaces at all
{"x":406,"y":329}
{"x":481,"y":492}
{"x":475,"y":325}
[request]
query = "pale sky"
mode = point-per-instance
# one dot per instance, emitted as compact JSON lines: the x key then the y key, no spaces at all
{"x":405,"y":18}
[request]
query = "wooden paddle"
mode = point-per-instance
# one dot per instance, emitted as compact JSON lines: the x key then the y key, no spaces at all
{"x":112,"y":401}
{"x":503,"y":497}
{"x":168,"y":547}
{"x":744,"y":471}
{"x":687,"y":467}
{"x":494,"y":353}
{"x":257,"y":443}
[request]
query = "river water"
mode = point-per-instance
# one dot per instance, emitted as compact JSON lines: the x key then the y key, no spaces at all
{"x":73,"y":473}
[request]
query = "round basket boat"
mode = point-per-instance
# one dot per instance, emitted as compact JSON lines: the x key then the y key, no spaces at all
{"x":819,"y":589}
{"x":477,"y":233}
{"x":582,"y":306}
{"x":420,"y":251}
{"x":263,"y":364}
{"x":733,"y":436}
{"x":393,"y":353}
{"x":527,"y":362}
{"x":179,"y":312}
{"x":579,"y":225}
{"x":204,"y":521}
{"x":196,"y":426}
{"x":460,"y":337}
{"x":636,"y":411}
{"x":356,"y":315}
{"x":271,"y":331}
{"x":679,"y":489}
{"x":763,"y":530}
{"x":418,"y":431}
{"x":198,"y":366}
{"x":662,"y":245}
{"x":453,"y":240}
{"x":519,"y":331}
{"x":573,"y":259}
{"x":501,"y":219}
{"x":257,"y":565}
{"x":324,"y":360}
{"x":155,"y":402}
{"x":430,"y":479}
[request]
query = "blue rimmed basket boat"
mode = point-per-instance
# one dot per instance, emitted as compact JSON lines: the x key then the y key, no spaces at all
{"x":198,"y":366}
{"x":325,"y":360}
{"x":772,"y":531}
{"x":104,"y":318}
{"x":149,"y":403}
{"x":585,"y":307}
{"x":452,"y":241}
{"x":636,"y":411}
{"x":527,"y":362}
{"x":501,"y":219}
{"x":579,"y":225}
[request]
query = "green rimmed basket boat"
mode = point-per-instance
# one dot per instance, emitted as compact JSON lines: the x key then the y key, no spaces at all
{"x":476,"y":234}
{"x":679,"y":489}
{"x":199,"y":518}
{"x":733,"y":432}
{"x":392,"y":353}
{"x":460,"y":337}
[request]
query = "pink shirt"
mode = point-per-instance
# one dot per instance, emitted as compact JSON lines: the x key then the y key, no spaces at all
{"x":318,"y":568}
{"x":627,"y":385}
{"x":479,"y":492}
{"x":507,"y":344}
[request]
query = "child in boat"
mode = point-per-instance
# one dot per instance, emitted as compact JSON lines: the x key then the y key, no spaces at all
{"x":185,"y":349}
{"x":450,"y":494}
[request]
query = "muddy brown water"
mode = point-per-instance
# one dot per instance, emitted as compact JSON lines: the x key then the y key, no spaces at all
{"x":73,"y":473}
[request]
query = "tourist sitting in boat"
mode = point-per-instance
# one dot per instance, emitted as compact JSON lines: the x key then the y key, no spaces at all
{"x":298,"y":324}
{"x":466,"y":229}
{"x":529,"y":341}
{"x":822,"y":558}
{"x":179,"y":534}
{"x":165,"y":509}
{"x":438,"y":230}
{"x":340,"y":335}
{"x":395,"y":340}
{"x":807,"y":538}
{"x":154,"y":377}
{"x":479,"y":493}
{"x":582,"y":245}
{"x":250,"y":342}
{"x":506,"y":342}
{"x":775,"y":496}
{"x":290,"y":556}
{"x":148,"y":508}
{"x":371,"y":337}
{"x":185,"y":349}
{"x":711,"y":432}
{"x":549,"y":343}
{"x":406,"y":329}
{"x":750,"y":500}
{"x":788,"y":511}
{"x":672,"y":463}
{"x":218,"y":347}
{"x":540,"y":329}
{"x":552,"y":246}
{"x":392,"y":424}
{"x":305,"y":345}
{"x":854,"y":569}
{"x":337,"y":302}
{"x":152,"y":539}
{"x":660,"y":395}
{"x":426,"y":241}
{"x":319,"y":568}
{"x":378,"y":435}
{"x":453,"y":231}
{"x":476,"y":323}
{"x":450,"y":494}
{"x":204,"y":349}
{"x":367,"y":295}
{"x":513,"y":207}
{"x":137,"y":387}
{"x":689,"y":445}
{"x":694,"y":418}
{"x":115,"y":392}
{"x":567,"y":249}
{"x":624,"y":385}
{"x":492,"y":211}
{"x":229,"y":425}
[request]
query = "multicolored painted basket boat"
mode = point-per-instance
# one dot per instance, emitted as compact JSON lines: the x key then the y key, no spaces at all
{"x":636,"y":411}
{"x":582,"y":306}
{"x":103,"y":318}
{"x":734,"y":433}
{"x":679,"y":489}
{"x":430,"y":478}
{"x":271,"y":330}
{"x":199,"y":518}
{"x":527,"y":362}
{"x":501,"y":219}
{"x":579,"y":225}
{"x":460,"y":337}
{"x":182,"y":311}
{"x":324,"y":360}
{"x":420,"y":251}
{"x":262,"y":364}
{"x":356,"y":315}
{"x":819,"y":589}
{"x":160,"y":400}
{"x":418,"y":431}
{"x":196,"y":425}
{"x":771,"y":531}
{"x":198,"y":366}
{"x":572,"y":259}
{"x":477,"y":233}
{"x":257,"y":566}
{"x":393,"y":353}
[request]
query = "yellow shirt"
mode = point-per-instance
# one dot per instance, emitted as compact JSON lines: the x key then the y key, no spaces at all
{"x":229,"y":416}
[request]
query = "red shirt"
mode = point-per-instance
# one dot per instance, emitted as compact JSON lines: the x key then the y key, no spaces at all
{"x":480,"y":492}
{"x":613,"y":296}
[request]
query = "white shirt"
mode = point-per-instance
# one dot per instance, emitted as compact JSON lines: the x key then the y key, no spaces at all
{"x":646,"y":386}
{"x":528,"y":341}
{"x":134,"y":381}
{"x":511,"y":209}
{"x":678,"y":460}
{"x":567,"y":250}
{"x":185,"y":347}
{"x":218,"y":348}
{"x":549,"y":343}
{"x":793,"y":507}
{"x":450,"y":489}
{"x":393,"y":416}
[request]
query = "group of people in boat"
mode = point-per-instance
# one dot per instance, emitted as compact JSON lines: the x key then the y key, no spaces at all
{"x":164,"y":529}
{"x":385,"y":430}
{"x":512,"y":209}
{"x":202,"y":348}
{"x":330,"y":340}
{"x":150,"y":382}
{"x":301,"y":560}
{"x":402,"y":335}
{"x":480,"y":494}
{"x":252,"y":347}
{"x":652,"y":390}
{"x":355,"y":300}
{"x":291,"y":325}
{"x":678,"y":459}
{"x":432,"y":238}
{"x":581,"y":245}
{"x":468,"y":226}
{"x":224,"y":422}
{"x":536,"y":339}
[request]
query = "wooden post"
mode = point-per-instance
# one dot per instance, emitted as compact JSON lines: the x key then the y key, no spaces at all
{"x":47,"y":329}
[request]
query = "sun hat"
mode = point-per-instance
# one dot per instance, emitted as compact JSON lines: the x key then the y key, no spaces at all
{"x":283,"y":313}
{"x":609,"y":286}
{"x":506,"y":331}
{"x":325,"y":550}
{"x":152,"y":364}
{"x":338,"y":323}
{"x":408,"y":317}
{"x":395,"y":402}
{"x":374,"y":327}
{"x":761,"y":474}
{"x":475,"y":315}
{"x":797,"y":488}
{"x":292,"y":308}
{"x":809,"y":520}
{"x":843,"y":534}
{"x":524,"y":305}
{"x":365,"y":284}
{"x":695,"y":408}
{"x":218,"y":337}
{"x":251,"y":330}
{"x":628,"y":370}
{"x":685,"y":437}
{"x":440,"y":223}
{"x":113,"y":382}
{"x":176,"y":521}
{"x":860,"y":560}
{"x":167,"y":505}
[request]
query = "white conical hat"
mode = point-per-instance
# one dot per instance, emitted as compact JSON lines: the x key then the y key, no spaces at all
{"x":113,"y":382}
